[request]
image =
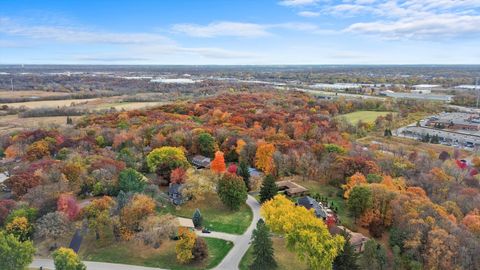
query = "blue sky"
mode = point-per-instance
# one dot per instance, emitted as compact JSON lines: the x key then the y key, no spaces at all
{"x":240,"y":32}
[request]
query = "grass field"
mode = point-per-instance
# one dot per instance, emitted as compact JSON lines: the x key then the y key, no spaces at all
{"x":48,"y":103}
{"x":216,"y":216}
{"x":163,"y":257}
{"x":9,"y":123}
{"x":365,"y":116}
{"x":4,"y":93}
{"x":285,"y":259}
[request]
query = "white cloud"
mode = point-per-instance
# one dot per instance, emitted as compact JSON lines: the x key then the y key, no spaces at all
{"x":308,"y":14}
{"x":297,"y":2}
{"x":75,"y":35}
{"x":437,"y":26}
{"x":232,"y":29}
{"x":239,"y":29}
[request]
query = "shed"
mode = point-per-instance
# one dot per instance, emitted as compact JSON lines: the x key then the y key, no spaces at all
{"x":185,"y":222}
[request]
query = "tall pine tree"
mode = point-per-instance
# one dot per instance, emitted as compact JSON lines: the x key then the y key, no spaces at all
{"x":244,"y":173}
{"x":269,"y":189}
{"x":347,"y":259}
{"x":262,"y":248}
{"x":197,"y":219}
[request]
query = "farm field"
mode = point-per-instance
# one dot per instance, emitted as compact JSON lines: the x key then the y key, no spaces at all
{"x":49,"y":103}
{"x":5,"y":93}
{"x":364,"y":116}
{"x":9,"y":123}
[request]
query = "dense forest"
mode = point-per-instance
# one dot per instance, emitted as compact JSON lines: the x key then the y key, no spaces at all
{"x":426,"y":203}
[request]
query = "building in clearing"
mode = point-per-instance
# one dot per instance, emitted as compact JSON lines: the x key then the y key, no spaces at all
{"x":201,"y":162}
{"x":291,"y":188}
{"x":357,"y":240}
{"x":185,"y":223}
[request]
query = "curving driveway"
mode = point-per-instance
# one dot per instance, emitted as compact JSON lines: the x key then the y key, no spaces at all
{"x":230,"y":262}
{"x":241,"y":242}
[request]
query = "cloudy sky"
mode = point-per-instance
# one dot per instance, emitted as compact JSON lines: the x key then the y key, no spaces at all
{"x":240,"y":32}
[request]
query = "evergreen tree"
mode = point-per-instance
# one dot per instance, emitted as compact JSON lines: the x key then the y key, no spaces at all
{"x":197,"y":219}
{"x":244,"y":173}
{"x":347,"y":259}
{"x":262,"y":248}
{"x":269,"y":189}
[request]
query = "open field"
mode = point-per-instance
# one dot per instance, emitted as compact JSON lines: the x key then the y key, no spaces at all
{"x":49,"y":103}
{"x":286,"y":259}
{"x":9,"y":123}
{"x":216,"y":216}
{"x":163,"y":257}
{"x":364,"y":116}
{"x":128,"y":105}
{"x":29,"y":93}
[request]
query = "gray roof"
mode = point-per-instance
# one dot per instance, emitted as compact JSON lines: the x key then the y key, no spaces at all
{"x":201,"y":161}
{"x":308,"y":202}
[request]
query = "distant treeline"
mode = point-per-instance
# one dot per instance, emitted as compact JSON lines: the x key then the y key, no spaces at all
{"x":61,"y":111}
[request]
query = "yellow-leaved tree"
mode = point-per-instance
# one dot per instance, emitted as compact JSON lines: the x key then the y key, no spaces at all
{"x":306,"y":234}
{"x":184,"y":246}
{"x":264,"y":157}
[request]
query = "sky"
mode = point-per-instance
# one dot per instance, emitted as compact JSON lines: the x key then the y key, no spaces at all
{"x":240,"y":32}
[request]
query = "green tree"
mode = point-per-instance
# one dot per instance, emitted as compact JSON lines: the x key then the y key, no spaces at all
{"x":269,"y":188}
{"x":373,"y":257}
{"x":165,"y":159}
{"x":206,"y":144}
{"x":67,"y":259}
{"x":15,"y":254}
{"x":197,"y":219}
{"x":347,"y":259}
{"x":243,"y":172}
{"x":130,"y":180}
{"x":232,"y":191}
{"x":359,"y":200}
{"x":263,"y":258}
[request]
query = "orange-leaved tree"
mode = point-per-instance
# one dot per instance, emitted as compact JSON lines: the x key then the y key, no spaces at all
{"x":218,"y":163}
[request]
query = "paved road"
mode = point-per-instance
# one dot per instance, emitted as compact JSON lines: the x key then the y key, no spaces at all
{"x":230,"y":262}
{"x":242,"y":242}
{"x":48,"y":264}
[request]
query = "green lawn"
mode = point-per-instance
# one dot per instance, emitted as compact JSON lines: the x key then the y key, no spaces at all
{"x":331,"y":193}
{"x":163,"y":257}
{"x":365,"y":116}
{"x":216,"y":216}
{"x":286,"y":259}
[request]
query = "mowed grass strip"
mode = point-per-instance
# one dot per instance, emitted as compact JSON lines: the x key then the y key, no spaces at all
{"x":216,"y":217}
{"x":163,"y":257}
{"x":364,"y":116}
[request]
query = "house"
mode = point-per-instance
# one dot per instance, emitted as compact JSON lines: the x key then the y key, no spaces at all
{"x":200,"y":161}
{"x":357,"y":240}
{"x":185,"y":223}
{"x":175,"y":193}
{"x":3,"y":177}
{"x":291,"y":188}
{"x":320,"y":210}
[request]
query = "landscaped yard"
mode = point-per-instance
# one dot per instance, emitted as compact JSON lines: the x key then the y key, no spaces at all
{"x":216,"y":217}
{"x":163,"y":257}
{"x":332,"y":194}
{"x":286,"y":259}
{"x":365,"y":116}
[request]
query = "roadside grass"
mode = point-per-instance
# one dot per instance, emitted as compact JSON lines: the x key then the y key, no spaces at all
{"x":365,"y":116}
{"x":163,"y":257}
{"x":216,"y":217}
{"x":286,"y":259}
